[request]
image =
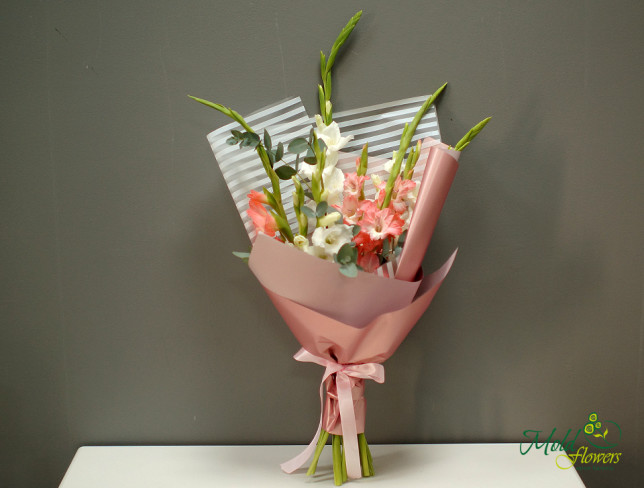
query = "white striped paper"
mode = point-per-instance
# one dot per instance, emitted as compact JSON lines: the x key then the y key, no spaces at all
{"x":380,"y":125}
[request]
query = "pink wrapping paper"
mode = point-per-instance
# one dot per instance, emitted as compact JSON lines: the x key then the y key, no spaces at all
{"x":338,"y":338}
{"x":440,"y":170}
{"x":304,"y":279}
{"x":343,"y":339}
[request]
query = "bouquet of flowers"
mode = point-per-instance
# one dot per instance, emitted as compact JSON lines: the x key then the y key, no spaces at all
{"x":338,"y":237}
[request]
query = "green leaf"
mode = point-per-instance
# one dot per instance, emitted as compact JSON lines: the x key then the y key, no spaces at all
{"x":271,"y":157}
{"x":279,"y":153}
{"x":350,"y":270}
{"x":285,"y":172}
{"x":342,"y":37}
{"x":298,"y":145}
{"x":267,"y":141}
{"x":236,"y":134}
{"x":356,"y":230}
{"x":308,"y":194}
{"x":597,"y":435}
{"x":401,"y":238}
{"x":312,"y":160}
{"x":308,"y":211}
{"x":347,"y":254}
{"x":249,"y":139}
{"x":242,"y":255}
{"x":322,"y":63}
{"x":231,"y":141}
{"x":321,"y":209}
{"x":605,"y":432}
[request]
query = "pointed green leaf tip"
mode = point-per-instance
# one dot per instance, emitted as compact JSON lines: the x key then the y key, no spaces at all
{"x":242,"y":255}
{"x":342,"y":37}
{"x":471,"y":134}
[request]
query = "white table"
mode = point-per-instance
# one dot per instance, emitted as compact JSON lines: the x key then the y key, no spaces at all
{"x":403,"y":465}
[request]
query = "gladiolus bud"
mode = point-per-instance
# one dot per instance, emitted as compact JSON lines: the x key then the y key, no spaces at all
{"x":329,"y":219}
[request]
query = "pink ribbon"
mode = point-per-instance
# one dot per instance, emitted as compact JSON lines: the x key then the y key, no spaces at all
{"x":343,"y":373}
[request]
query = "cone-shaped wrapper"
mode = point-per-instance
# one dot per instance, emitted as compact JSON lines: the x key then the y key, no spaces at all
{"x":319,"y":285}
{"x":332,"y":335}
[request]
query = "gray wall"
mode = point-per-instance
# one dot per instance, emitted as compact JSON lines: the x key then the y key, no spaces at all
{"x":125,"y":318}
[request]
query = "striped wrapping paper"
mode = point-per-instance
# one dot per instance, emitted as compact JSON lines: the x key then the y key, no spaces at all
{"x":380,"y":125}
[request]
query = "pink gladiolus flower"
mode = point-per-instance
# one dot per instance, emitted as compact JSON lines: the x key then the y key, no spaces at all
{"x":382,"y":224}
{"x":353,"y":184}
{"x":368,"y":209}
{"x":257,"y":197}
{"x":402,"y":188}
{"x":349,"y":209}
{"x":262,"y":220}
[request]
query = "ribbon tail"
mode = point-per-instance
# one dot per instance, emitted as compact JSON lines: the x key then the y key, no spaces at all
{"x":349,"y":429}
{"x":297,"y":462}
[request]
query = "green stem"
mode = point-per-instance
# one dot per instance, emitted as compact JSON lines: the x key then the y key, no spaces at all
{"x":324,"y":436}
{"x":337,"y":460}
{"x":364,"y":460}
{"x":405,"y":140}
{"x":344,"y":461}
{"x":369,"y":459}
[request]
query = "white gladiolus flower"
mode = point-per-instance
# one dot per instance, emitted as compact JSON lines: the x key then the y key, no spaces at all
{"x":375,"y":180}
{"x":328,"y":241}
{"x":389,"y":165}
{"x":306,"y":171}
{"x":330,"y":134}
{"x":333,"y":179}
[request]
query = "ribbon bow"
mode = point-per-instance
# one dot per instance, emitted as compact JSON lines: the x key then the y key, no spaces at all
{"x":343,"y":373}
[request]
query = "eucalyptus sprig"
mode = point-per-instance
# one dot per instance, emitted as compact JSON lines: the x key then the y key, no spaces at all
{"x":251,"y":139}
{"x":324,"y":90}
{"x":405,"y":140}
{"x":471,"y":134}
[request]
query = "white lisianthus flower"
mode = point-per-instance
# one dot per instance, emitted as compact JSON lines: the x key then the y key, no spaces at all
{"x":328,"y":241}
{"x":301,"y":242}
